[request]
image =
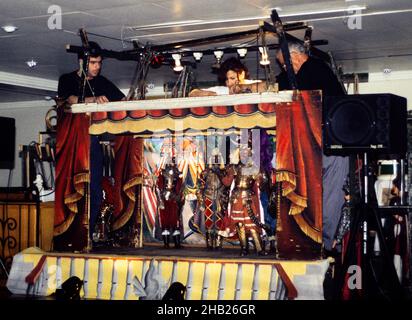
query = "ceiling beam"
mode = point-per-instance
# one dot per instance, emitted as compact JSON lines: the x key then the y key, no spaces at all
{"x":27,"y":104}
{"x":27,"y":81}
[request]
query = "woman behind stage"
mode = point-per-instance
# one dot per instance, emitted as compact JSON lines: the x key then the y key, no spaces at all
{"x":233,"y":77}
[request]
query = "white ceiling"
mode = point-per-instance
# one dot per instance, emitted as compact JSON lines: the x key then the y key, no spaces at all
{"x":383,"y":41}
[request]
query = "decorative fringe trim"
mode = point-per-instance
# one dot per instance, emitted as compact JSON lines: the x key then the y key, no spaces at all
{"x":130,"y":191}
{"x":80,"y":184}
{"x":199,"y":123}
{"x":298,"y":204}
{"x":128,"y":187}
{"x":286,"y":176}
{"x":62,"y":228}
{"x":311,"y":232}
{"x":81,"y":181}
{"x":288,"y":180}
{"x":295,"y":209}
{"x":125,"y":216}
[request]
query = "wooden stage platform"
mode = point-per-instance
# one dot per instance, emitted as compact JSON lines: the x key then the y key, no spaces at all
{"x":146,"y":273}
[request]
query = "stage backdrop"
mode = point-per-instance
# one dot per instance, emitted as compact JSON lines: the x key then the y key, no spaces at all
{"x":294,"y":122}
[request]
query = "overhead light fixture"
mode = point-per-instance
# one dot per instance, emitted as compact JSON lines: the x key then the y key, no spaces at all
{"x":264,"y":61}
{"x":242,"y":52}
{"x":218,"y":54}
{"x":31,"y":63}
{"x":198,"y":56}
{"x":178,"y":65}
{"x":9,"y":28}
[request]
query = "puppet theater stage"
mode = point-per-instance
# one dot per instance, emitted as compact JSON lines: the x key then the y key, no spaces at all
{"x":129,"y":271}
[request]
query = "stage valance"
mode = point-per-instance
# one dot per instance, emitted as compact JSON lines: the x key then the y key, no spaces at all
{"x":148,"y":117}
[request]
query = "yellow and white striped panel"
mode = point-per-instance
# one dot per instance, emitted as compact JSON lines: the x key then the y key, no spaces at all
{"x":166,"y":270}
{"x":112,"y":277}
{"x":77,"y":269}
{"x":134,"y":269}
{"x":261,"y":282}
{"x":244,"y":281}
{"x":64,"y":265}
{"x":211,"y":281}
{"x":227,"y":282}
{"x":91,"y":272}
{"x":104,"y":282}
{"x":180,"y":272}
{"x":277,"y":288}
{"x":195,"y":281}
{"x":119,"y":277}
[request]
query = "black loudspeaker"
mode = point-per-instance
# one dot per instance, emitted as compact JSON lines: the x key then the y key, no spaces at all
{"x":372,"y":123}
{"x":409,"y":128}
{"x":7,"y":142}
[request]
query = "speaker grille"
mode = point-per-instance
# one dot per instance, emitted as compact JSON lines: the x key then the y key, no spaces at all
{"x":364,"y":123}
{"x":410,"y":132}
{"x":351,"y":122}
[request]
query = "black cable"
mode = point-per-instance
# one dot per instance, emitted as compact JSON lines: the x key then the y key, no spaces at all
{"x":245,"y":43}
{"x":47,"y":194}
{"x":8,"y":184}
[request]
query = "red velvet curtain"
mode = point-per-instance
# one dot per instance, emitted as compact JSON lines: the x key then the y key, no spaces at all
{"x":299,"y":169}
{"x":72,"y":175}
{"x":128,"y":175}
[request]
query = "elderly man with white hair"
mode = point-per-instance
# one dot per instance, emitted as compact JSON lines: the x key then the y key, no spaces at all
{"x":314,"y":74}
{"x":311,"y":73}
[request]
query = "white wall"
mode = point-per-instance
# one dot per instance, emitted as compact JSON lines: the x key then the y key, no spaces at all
{"x":399,"y":83}
{"x":30,"y":120}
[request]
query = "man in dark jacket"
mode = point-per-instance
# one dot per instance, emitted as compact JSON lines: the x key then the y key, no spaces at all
{"x":313,"y":74}
{"x":98,"y":89}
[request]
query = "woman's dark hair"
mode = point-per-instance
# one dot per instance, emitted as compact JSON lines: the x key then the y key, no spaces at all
{"x":233,"y":64}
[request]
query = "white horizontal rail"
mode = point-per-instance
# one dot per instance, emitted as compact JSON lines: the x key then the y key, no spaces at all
{"x":181,"y":103}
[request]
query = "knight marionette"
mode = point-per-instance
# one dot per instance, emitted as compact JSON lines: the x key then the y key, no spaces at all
{"x":170,"y":198}
{"x":244,"y":218}
{"x":212,"y":197}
